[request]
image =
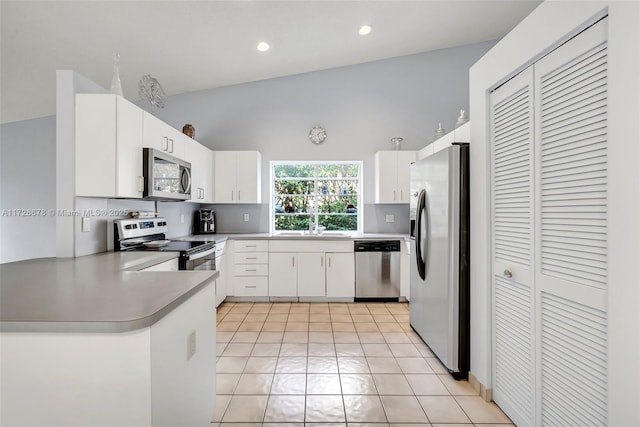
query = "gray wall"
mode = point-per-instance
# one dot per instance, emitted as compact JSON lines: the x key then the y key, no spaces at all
{"x":28,"y":178}
{"x":100,"y":237}
{"x":360,"y":106}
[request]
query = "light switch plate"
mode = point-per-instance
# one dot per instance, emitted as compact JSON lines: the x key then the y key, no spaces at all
{"x":246,"y":217}
{"x":390,"y":218}
{"x":181,"y":218}
{"x":86,"y":224}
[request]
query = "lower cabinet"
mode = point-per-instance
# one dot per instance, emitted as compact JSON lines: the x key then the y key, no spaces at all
{"x":340,"y":275}
{"x":283,"y":275}
{"x":311,"y":275}
{"x":296,"y":275}
{"x":250,"y":268}
{"x":307,"y":274}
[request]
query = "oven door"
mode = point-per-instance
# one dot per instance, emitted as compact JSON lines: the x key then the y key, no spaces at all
{"x":205,"y":260}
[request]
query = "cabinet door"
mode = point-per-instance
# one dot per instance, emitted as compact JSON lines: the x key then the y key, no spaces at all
{"x":340,"y":275}
{"x":405,"y":158}
{"x":248,"y":166}
{"x":282,"y":275}
{"x":201,"y":161}
{"x":192,"y":154}
{"x":159,"y":135}
{"x":95,"y":149}
{"x":513,"y":254}
{"x":206,"y":178}
{"x":155,"y":133}
{"x":176,"y":142}
{"x":128,"y":149}
{"x":311,"y":274}
{"x":224,"y":182}
{"x":386,"y":177}
{"x":572,"y":230}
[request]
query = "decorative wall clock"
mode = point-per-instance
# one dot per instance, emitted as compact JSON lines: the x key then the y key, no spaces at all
{"x":317,"y":134}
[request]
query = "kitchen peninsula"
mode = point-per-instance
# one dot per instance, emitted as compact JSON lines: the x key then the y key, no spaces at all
{"x":96,"y":340}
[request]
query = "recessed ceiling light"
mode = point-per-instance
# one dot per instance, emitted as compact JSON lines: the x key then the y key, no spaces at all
{"x":263,"y":47}
{"x":364,"y":30}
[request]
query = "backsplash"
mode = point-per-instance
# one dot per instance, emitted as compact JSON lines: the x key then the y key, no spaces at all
{"x":100,"y":237}
{"x":230,"y":218}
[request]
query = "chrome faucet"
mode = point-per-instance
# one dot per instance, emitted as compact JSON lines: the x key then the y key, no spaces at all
{"x":312,"y":222}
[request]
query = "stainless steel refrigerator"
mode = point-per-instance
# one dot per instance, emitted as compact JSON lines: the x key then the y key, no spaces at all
{"x":439,"y":293}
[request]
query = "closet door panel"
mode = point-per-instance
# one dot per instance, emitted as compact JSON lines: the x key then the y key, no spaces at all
{"x":571,"y":230}
{"x":512,"y":237}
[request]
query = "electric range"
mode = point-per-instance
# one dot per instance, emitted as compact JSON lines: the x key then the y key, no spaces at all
{"x":149,"y":234}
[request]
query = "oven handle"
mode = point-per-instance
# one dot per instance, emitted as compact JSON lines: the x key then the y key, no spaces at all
{"x":202,"y":254}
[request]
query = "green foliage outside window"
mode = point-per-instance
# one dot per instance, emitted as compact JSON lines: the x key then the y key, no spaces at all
{"x":329,"y":191}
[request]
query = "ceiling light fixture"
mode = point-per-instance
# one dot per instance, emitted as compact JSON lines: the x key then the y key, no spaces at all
{"x":263,"y":47}
{"x":364,"y":30}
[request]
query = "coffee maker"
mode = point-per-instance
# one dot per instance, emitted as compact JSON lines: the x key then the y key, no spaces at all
{"x":204,"y":222}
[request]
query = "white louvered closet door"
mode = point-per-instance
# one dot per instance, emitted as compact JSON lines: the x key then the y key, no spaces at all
{"x":513,"y":252}
{"x":571,"y":230}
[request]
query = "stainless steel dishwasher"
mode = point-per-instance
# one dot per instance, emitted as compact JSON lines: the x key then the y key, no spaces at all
{"x":377,"y":270}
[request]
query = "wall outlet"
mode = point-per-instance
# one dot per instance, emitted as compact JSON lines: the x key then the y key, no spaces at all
{"x":389,"y":218}
{"x":191,"y":345}
{"x":86,"y":224}
{"x":181,"y":218}
{"x":246,"y":217}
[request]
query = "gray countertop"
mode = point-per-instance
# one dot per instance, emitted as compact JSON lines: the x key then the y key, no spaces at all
{"x":96,"y":293}
{"x":327,"y":235}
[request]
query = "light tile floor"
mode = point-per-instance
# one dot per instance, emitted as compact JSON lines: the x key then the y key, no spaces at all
{"x":335,"y":364}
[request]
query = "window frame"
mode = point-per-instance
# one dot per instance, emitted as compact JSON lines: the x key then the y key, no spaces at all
{"x":315,"y":179}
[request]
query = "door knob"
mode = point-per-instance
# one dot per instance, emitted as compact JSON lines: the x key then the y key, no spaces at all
{"x":508,"y":274}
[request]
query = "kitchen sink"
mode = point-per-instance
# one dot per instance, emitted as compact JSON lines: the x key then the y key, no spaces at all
{"x":304,"y":234}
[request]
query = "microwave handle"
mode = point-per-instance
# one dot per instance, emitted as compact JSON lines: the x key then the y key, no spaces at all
{"x":185,"y":181}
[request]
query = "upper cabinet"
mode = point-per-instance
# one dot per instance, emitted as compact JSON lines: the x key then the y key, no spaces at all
{"x":237,"y":177}
{"x":201,"y":159}
{"x":392,"y":176}
{"x":159,"y":135}
{"x":108,"y":149}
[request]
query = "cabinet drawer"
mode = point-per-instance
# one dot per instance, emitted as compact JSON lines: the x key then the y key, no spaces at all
{"x":246,"y":286}
{"x":251,"y":270}
{"x":251,"y":245}
{"x":251,"y":258}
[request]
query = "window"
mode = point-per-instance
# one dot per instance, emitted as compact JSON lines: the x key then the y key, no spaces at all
{"x":320,"y":194}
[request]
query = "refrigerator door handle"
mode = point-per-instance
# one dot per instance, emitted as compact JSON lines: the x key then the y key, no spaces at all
{"x":420,"y":208}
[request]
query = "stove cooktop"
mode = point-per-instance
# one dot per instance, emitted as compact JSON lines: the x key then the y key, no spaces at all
{"x":175,"y":246}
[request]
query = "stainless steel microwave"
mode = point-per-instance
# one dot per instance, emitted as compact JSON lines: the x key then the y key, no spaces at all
{"x":165,"y":177}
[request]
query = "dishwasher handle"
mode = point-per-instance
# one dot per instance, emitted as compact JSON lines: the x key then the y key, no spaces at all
{"x":376,"y":245}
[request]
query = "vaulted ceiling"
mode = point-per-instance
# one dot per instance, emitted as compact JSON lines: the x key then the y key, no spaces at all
{"x":195,"y":45}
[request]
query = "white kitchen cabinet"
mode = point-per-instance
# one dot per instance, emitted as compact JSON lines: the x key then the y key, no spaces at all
{"x":250,"y":268}
{"x":296,"y":274}
{"x":108,"y":151}
{"x":340,"y":275}
{"x":159,"y":135}
{"x":392,"y":176}
{"x":148,"y":374}
{"x":311,"y":275}
{"x":201,"y":159}
{"x":283,"y":275}
{"x":237,"y":177}
{"x":311,"y":269}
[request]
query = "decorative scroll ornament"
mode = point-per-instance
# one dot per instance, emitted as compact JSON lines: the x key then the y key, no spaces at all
{"x":150,"y":89}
